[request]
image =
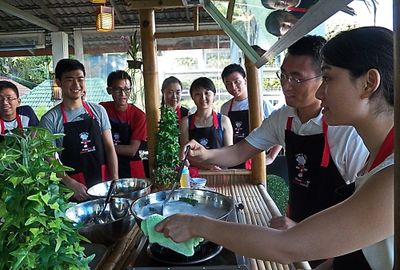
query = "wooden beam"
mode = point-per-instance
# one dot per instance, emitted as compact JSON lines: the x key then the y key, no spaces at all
{"x":217,"y":32}
{"x":258,"y":167}
{"x":229,"y":13}
{"x":150,"y":78}
{"x":155,"y":4}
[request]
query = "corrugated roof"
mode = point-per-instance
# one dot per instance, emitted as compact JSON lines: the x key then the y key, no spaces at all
{"x":22,"y":90}
{"x":26,"y":23}
{"x":40,"y":96}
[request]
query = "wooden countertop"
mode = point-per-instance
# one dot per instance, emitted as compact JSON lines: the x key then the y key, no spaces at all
{"x":258,"y":209}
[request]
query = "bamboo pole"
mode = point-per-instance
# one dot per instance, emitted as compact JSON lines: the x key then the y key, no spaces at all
{"x":259,"y":174}
{"x":150,"y":78}
{"x":396,"y":29}
{"x":275,"y":213}
{"x":196,"y":18}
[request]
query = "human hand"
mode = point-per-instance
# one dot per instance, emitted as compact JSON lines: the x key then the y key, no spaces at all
{"x":281,"y":223}
{"x":80,"y":191}
{"x":197,"y":152}
{"x":177,"y":227}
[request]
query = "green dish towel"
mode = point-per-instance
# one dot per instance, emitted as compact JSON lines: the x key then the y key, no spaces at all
{"x":185,"y":248}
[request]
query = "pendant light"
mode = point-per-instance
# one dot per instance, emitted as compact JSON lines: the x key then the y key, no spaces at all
{"x":104,"y":19}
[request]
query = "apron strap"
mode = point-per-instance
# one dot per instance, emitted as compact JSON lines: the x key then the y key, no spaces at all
{"x":3,"y":126}
{"x":385,"y":150}
{"x":178,"y":113}
{"x":230,"y":106}
{"x":297,"y":9}
{"x":326,"y":153}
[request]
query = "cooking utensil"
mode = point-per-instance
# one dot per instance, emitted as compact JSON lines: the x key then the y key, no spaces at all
{"x":188,"y":201}
{"x":131,"y":188}
{"x":117,"y":219}
{"x":177,"y":178}
{"x":100,"y":218}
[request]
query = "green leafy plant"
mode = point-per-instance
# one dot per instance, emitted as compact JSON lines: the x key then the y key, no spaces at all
{"x":167,"y":147}
{"x":279,"y":191}
{"x":34,"y":232}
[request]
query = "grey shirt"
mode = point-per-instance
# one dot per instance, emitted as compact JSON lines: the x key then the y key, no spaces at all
{"x":53,"y":120}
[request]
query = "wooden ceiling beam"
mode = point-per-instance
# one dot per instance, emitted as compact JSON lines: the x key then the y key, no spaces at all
{"x":156,"y":4}
{"x":216,"y":32}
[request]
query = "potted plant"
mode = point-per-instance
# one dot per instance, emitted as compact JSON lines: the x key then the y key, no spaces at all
{"x":133,"y":48}
{"x":34,"y":232}
{"x":167,"y":149}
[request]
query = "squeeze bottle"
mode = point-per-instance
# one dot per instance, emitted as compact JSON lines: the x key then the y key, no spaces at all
{"x":185,"y":178}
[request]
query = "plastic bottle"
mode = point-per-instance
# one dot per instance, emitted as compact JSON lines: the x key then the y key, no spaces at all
{"x":185,"y":178}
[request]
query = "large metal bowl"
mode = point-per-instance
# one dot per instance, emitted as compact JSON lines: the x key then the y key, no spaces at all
{"x":114,"y":223}
{"x":131,"y":188}
{"x":190,"y":201}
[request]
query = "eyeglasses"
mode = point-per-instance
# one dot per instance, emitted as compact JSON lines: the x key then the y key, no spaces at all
{"x":126,"y":90}
{"x":7,"y":99}
{"x":283,"y":77}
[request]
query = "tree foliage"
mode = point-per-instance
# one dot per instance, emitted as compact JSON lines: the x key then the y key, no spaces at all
{"x":29,"y":71}
{"x":167,"y":147}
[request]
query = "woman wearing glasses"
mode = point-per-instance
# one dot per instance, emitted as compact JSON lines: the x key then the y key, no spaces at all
{"x":321,"y":161}
{"x":11,"y":114}
{"x":128,"y":125}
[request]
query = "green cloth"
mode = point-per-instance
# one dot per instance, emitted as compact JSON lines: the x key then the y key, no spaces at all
{"x":185,"y":248}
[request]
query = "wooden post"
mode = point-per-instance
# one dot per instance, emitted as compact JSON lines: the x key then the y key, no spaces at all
{"x":150,"y":78}
{"x":259,"y":174}
{"x":396,"y":29}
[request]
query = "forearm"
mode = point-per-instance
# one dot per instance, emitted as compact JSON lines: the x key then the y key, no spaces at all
{"x":247,"y":240}
{"x":129,"y":150}
{"x":232,"y":155}
{"x":112,"y":163}
{"x":272,"y":153}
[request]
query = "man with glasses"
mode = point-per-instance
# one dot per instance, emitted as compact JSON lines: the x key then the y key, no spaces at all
{"x":128,"y":125}
{"x":11,"y":114}
{"x":237,"y":108}
{"x":322,"y":161}
{"x":87,"y":145}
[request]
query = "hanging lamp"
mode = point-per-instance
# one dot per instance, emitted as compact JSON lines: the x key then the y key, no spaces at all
{"x":98,"y":1}
{"x":104,"y":19}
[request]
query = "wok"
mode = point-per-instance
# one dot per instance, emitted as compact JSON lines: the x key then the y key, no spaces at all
{"x":189,"y":201}
{"x":131,"y":188}
{"x":115,"y":223}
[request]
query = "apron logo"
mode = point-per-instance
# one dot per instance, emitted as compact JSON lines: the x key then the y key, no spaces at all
{"x":116,"y":138}
{"x":204,"y":142}
{"x":84,"y":136}
{"x":238,"y":128}
{"x":301,"y":169}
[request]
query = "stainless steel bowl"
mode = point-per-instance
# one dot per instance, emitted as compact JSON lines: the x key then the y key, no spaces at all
{"x":199,"y":202}
{"x":115,"y":223}
{"x":131,"y":188}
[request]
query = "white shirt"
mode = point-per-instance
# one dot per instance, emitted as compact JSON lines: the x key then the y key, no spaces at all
{"x":380,"y":256}
{"x":346,"y":147}
{"x":243,"y":105}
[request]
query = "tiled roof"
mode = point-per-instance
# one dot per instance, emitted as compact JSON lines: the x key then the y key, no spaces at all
{"x":22,"y":90}
{"x":40,"y":96}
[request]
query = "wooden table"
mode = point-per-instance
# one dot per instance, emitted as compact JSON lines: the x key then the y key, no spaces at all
{"x":258,"y":209}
